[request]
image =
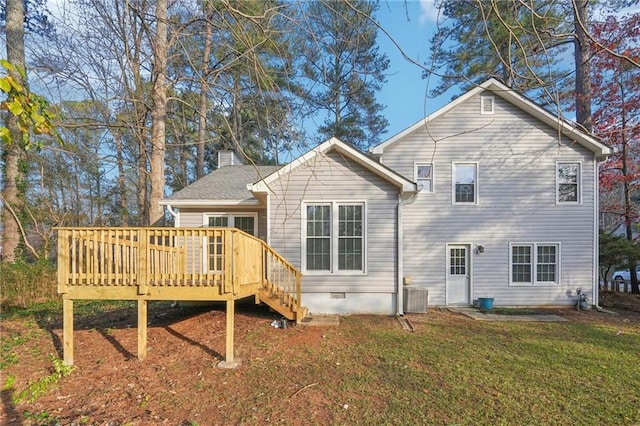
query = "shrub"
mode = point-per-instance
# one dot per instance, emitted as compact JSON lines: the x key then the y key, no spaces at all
{"x":26,"y":284}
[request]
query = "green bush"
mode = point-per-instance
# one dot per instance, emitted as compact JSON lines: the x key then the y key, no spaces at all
{"x":25,"y":284}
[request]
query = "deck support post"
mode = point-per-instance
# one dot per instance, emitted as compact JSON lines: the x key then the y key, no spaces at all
{"x":67,"y":330}
{"x":230,"y":361}
{"x":142,"y":328}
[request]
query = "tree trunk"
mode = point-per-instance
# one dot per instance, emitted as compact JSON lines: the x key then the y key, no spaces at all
{"x":204,"y":89}
{"x":583,"y":69}
{"x":158,"y":115}
{"x":121,"y":180}
{"x":12,"y":204}
{"x":628,"y":205}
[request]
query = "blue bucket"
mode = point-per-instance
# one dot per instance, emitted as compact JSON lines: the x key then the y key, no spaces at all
{"x":485,"y":303}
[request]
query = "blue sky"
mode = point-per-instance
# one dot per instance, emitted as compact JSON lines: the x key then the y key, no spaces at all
{"x":411,"y":24}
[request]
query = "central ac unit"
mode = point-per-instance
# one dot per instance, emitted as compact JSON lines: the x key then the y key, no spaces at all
{"x":416,"y":299}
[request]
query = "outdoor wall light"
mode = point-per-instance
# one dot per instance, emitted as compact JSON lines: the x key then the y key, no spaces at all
{"x":480,"y":248}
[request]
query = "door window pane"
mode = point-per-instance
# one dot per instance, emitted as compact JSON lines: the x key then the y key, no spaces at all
{"x":458,"y":259}
{"x":245,"y":223}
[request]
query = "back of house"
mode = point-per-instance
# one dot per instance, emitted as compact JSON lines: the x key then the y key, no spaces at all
{"x":508,"y":206}
{"x":491,"y":196}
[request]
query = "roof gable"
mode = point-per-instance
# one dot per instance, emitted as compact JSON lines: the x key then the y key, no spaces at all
{"x":519,"y":101}
{"x":334,"y":144}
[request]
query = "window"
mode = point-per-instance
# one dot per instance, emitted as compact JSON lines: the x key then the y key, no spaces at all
{"x":535,"y":263}
{"x":334,"y":237}
{"x":423,"y":176}
{"x":465,"y":177}
{"x":486,"y":105}
{"x":319,"y":238}
{"x":568,"y":182}
{"x":243,"y":221}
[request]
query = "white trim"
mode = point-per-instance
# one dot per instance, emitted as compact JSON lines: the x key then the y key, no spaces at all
{"x":579,"y":183}
{"x":416,"y":164}
{"x":483,"y":100}
{"x":534,"y":263}
{"x":567,"y":129}
{"x":469,"y":249}
{"x":333,"y":237}
{"x":476,"y":184}
{"x":209,"y":203}
{"x":389,"y":175}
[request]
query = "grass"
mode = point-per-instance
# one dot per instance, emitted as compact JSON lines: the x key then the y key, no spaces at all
{"x":512,"y":311}
{"x":452,"y":370}
{"x":474,"y":373}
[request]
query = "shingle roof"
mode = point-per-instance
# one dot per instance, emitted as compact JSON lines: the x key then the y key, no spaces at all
{"x":225,"y":183}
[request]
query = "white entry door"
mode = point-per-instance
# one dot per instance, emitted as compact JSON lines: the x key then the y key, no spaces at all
{"x":458,"y":275}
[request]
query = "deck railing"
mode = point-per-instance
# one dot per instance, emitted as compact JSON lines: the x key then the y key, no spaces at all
{"x":170,"y":263}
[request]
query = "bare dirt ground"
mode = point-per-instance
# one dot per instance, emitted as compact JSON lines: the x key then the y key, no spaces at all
{"x":179,"y":382}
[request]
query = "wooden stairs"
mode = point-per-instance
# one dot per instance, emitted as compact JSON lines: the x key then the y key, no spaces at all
{"x":282,"y":302}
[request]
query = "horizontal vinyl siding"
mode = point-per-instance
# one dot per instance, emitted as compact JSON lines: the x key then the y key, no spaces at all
{"x":334,"y":178}
{"x":516,"y":157}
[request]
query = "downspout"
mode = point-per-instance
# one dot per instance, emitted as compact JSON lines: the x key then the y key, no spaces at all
{"x":403,"y":200}
{"x":268,"y":236}
{"x":596,"y":235}
{"x":175,"y":214}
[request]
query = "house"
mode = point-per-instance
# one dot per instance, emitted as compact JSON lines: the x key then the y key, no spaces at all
{"x":490,"y":196}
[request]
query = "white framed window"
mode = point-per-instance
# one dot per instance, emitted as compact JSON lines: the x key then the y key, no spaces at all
{"x":423,"y":176}
{"x":213,"y":248}
{"x":568,"y":178}
{"x":465,"y":183}
{"x":534,"y":264}
{"x":247,"y":222}
{"x":334,"y":237}
{"x":487,"y":104}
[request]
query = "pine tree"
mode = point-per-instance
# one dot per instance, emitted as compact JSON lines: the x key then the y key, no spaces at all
{"x":343,"y":70}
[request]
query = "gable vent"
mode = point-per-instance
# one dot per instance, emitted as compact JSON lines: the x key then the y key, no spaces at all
{"x":416,"y":299}
{"x":486,"y":104}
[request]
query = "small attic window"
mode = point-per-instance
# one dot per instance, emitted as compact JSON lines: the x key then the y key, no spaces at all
{"x":486,"y":105}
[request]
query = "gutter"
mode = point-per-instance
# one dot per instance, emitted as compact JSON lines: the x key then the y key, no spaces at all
{"x":403,"y":200}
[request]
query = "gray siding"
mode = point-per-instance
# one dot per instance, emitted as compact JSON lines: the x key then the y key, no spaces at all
{"x":331,"y":177}
{"x":516,"y":158}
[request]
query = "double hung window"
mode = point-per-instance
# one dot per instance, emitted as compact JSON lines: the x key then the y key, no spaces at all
{"x":534,"y":263}
{"x":568,"y":183}
{"x":465,"y":183}
{"x":334,"y":237}
{"x":423,"y":176}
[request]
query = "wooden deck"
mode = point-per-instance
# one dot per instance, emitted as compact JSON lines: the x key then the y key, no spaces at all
{"x":184,"y":264}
